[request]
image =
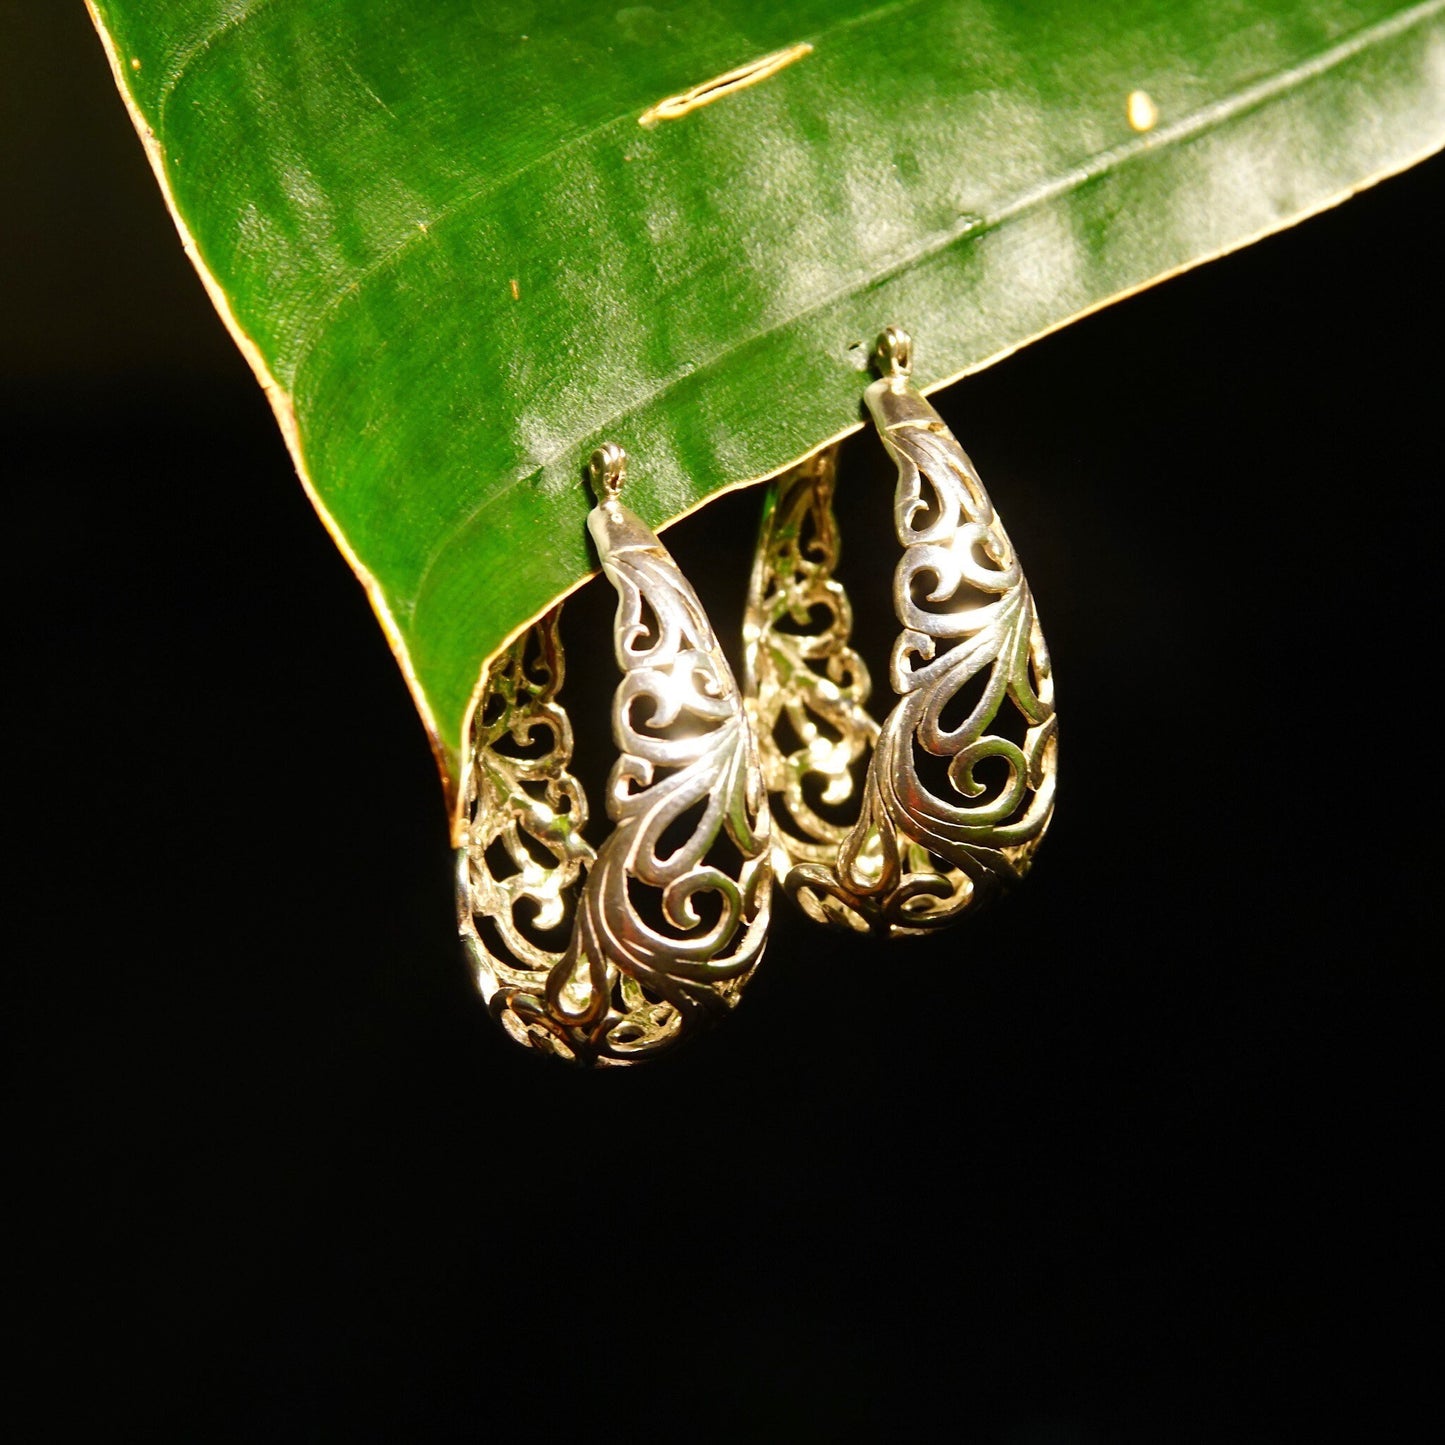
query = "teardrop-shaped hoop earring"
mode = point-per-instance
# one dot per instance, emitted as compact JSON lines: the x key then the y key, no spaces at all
{"x":959,"y":788}
{"x":611,"y":956}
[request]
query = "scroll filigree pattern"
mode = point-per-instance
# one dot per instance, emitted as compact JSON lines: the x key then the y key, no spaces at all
{"x":807,"y":688}
{"x":673,"y":911}
{"x":524,"y":851}
{"x":960,"y":787}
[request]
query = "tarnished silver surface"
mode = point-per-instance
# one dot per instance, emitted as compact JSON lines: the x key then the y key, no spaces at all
{"x":952,"y":807}
{"x":672,"y":912}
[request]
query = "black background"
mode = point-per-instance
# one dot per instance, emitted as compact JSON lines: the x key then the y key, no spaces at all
{"x":1138,"y":1157}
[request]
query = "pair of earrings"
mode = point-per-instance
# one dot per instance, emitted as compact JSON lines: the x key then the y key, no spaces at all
{"x":608,"y":956}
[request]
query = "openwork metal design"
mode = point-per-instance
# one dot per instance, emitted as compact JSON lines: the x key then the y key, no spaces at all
{"x":672,"y":912}
{"x":960,"y":787}
{"x":524,"y":851}
{"x":807,"y":688}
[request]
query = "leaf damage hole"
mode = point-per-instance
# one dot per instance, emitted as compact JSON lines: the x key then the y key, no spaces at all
{"x":674,"y":107}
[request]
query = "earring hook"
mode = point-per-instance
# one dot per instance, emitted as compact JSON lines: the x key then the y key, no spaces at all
{"x":894,"y":352}
{"x":607,"y":470}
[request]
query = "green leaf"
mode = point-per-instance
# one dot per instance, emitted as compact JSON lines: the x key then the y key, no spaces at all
{"x":462,"y":242}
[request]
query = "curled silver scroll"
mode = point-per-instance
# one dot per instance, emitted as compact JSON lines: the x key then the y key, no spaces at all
{"x":959,"y":790}
{"x":672,"y":913}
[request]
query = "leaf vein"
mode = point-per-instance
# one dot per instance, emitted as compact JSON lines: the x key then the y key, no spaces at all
{"x":234,"y":21}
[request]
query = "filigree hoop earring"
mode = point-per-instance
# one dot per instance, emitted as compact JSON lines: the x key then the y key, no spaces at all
{"x":611,"y":956}
{"x":960,"y":784}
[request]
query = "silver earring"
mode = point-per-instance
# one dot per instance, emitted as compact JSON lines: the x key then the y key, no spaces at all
{"x":959,"y":788}
{"x":611,"y":956}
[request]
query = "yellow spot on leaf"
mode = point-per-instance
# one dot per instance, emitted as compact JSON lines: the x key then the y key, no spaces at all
{"x":1142,"y":111}
{"x":516,"y":290}
{"x":135,"y":62}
